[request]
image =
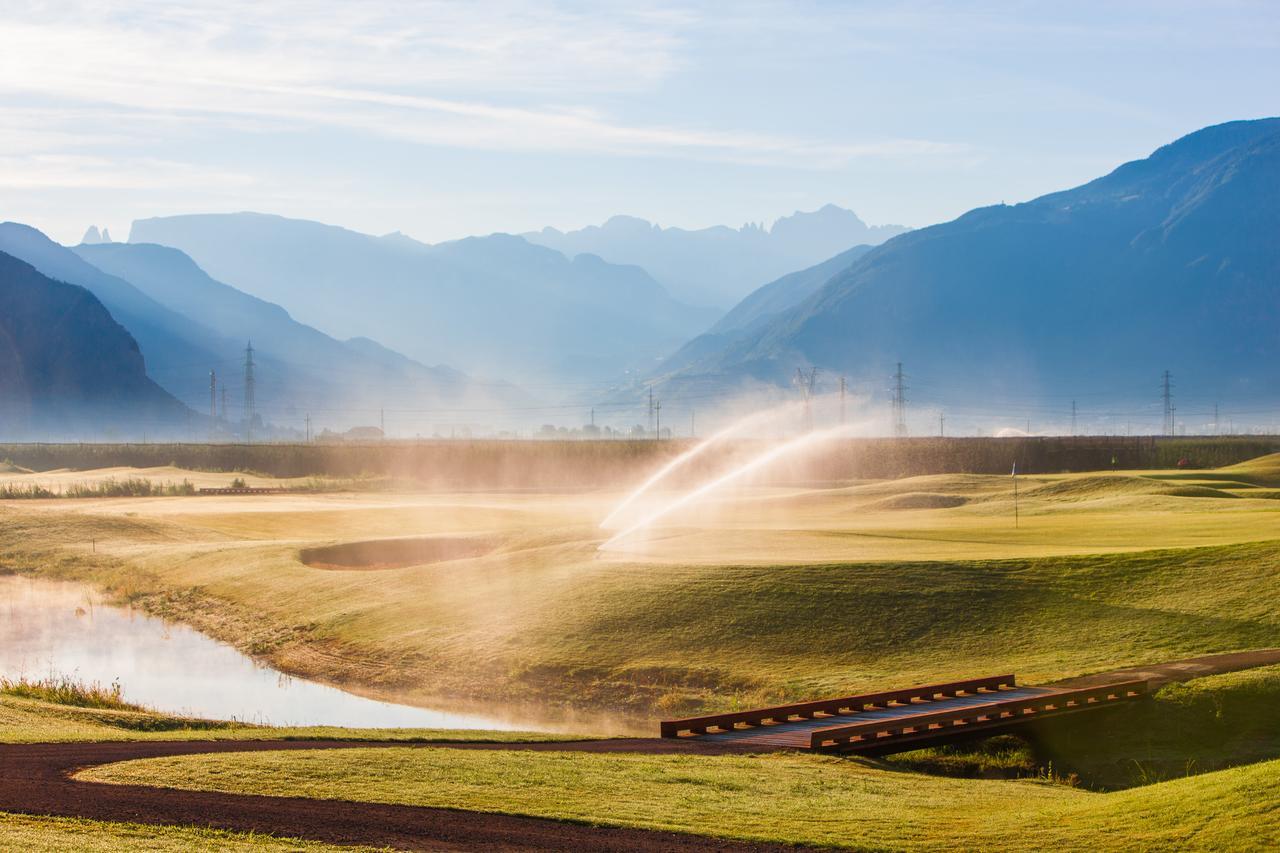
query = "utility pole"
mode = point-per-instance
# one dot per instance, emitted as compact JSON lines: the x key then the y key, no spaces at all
{"x":308,"y":427}
{"x":843,"y":386}
{"x":899,"y":404}
{"x":1073,"y":417}
{"x":657,"y":414}
{"x":1166,"y":393}
{"x":942,"y":425}
{"x":593,"y":417}
{"x":1216,"y":430}
{"x":249,"y":403}
{"x":651,"y":409}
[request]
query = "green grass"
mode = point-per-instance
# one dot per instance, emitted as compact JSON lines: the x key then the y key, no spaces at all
{"x":67,"y":691}
{"x":1192,"y":727}
{"x":777,"y":594}
{"x":34,"y":834}
{"x":1188,"y":728}
{"x":788,"y":798}
{"x":781,"y":594}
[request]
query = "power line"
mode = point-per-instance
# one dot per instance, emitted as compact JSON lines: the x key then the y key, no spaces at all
{"x":805,"y":384}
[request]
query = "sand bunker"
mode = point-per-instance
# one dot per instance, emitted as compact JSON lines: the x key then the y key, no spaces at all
{"x":395,"y":553}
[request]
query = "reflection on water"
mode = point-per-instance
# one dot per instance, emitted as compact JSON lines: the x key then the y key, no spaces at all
{"x":51,"y":628}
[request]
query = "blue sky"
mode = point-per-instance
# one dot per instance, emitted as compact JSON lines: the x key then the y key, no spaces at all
{"x":444,"y":119}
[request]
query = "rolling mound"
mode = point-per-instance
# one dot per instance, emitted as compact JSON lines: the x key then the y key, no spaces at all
{"x":1263,"y":471}
{"x":919,"y":500}
{"x":1095,"y":488}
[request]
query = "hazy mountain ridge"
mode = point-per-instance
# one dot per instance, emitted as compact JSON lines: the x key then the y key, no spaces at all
{"x":720,"y":265}
{"x":752,"y":314}
{"x":175,"y":346}
{"x":498,"y":304}
{"x":784,"y":293}
{"x":1168,"y":262}
{"x":68,"y":370}
{"x":301,"y":368}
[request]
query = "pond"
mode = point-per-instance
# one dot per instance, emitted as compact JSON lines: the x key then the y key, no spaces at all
{"x":55,"y":628}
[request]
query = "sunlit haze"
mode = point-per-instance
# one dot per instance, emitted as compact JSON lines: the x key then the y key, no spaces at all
{"x":448,"y":119}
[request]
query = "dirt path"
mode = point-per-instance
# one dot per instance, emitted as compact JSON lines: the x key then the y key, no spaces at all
{"x":1160,"y":674}
{"x":36,"y":779}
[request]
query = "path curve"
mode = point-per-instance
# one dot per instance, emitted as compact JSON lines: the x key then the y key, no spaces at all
{"x":37,"y":779}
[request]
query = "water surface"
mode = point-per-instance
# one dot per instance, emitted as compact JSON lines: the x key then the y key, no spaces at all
{"x":54,"y":628}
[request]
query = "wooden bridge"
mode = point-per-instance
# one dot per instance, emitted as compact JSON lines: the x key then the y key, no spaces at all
{"x":898,"y":720}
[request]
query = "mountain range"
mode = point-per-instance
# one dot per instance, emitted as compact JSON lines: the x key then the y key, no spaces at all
{"x":68,"y":370}
{"x":1167,"y":263}
{"x":1170,"y":262}
{"x":720,"y":265}
{"x":187,"y":324}
{"x":497,"y":305}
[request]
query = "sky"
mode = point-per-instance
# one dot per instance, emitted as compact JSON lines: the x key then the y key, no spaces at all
{"x":444,"y":119}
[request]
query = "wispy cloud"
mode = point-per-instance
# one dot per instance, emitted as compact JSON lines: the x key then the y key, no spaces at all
{"x":69,"y":171}
{"x":510,"y":76}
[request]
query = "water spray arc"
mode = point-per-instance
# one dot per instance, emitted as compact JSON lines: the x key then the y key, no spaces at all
{"x":737,"y":428}
{"x":781,"y":451}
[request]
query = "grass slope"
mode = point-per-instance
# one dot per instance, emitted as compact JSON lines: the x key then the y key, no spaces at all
{"x":857,"y":803}
{"x":34,"y":834}
{"x":789,"y":798}
{"x":831,"y":593}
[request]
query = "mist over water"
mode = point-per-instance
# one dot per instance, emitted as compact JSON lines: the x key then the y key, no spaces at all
{"x":56,"y":629}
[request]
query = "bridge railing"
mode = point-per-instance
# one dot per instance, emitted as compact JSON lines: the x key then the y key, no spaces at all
{"x":1000,"y":713}
{"x":842,"y":705}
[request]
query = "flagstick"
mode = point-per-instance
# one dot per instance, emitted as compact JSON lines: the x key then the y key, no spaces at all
{"x":1015,"y":496}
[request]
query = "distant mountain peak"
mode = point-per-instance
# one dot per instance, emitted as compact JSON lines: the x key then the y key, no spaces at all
{"x":1168,"y":262}
{"x":719,"y":265}
{"x":93,"y":236}
{"x":828,"y":214}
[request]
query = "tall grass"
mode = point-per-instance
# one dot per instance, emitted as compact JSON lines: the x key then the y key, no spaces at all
{"x":63,"y":690}
{"x":131,"y":487}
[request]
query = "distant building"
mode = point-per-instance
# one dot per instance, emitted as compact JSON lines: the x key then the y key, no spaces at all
{"x":363,"y":433}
